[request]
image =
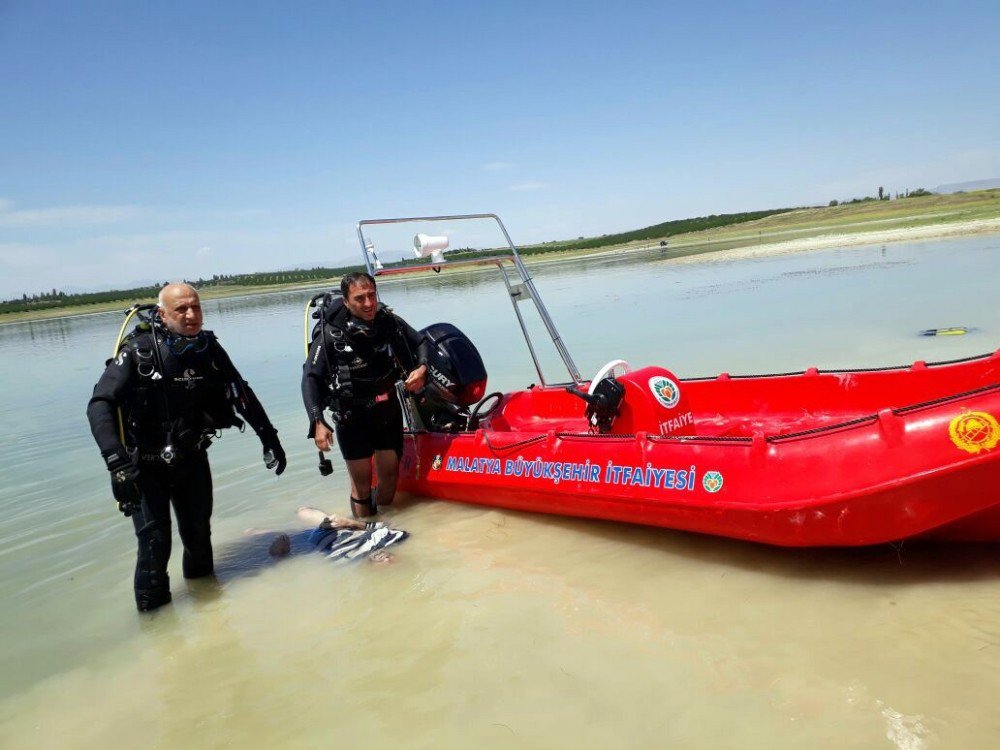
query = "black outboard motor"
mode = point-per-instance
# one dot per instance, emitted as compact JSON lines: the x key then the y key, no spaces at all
{"x":456,"y":379}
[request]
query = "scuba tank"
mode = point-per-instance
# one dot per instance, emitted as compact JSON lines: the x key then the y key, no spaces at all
{"x":326,"y":305}
{"x":146,"y":315}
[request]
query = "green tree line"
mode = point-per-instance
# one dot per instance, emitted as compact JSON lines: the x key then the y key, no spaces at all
{"x":57,"y":299}
{"x":655,"y":232}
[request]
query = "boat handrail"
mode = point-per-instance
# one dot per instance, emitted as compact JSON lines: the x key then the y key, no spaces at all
{"x":487,"y":261}
{"x":515,"y":295}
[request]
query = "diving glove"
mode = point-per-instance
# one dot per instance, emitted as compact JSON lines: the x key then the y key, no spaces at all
{"x":124,"y":483}
{"x":274,"y":454}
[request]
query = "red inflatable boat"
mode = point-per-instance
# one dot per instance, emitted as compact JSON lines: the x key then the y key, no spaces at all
{"x":816,"y":458}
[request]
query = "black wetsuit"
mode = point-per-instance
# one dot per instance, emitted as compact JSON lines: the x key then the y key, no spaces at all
{"x":179,"y":400}
{"x":352,"y":369}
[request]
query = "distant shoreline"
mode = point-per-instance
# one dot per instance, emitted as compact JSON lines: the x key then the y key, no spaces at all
{"x":735,"y":243}
{"x":875,"y":237}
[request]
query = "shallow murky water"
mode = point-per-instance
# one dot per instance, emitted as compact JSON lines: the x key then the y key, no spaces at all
{"x":492,"y":628}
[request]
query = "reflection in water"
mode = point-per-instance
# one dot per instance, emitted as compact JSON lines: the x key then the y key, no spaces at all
{"x":258,"y":303}
{"x":56,"y":330}
{"x":495,"y":628}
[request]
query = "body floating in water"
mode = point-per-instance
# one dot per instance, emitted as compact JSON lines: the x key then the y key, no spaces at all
{"x":342,"y":539}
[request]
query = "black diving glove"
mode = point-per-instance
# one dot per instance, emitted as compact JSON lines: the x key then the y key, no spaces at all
{"x":124,"y":483}
{"x":274,"y":454}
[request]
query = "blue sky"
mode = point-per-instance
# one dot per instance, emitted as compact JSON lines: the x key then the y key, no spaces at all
{"x":143,"y":141}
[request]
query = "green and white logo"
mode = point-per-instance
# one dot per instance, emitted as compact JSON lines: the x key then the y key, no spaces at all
{"x":712,"y":481}
{"x":666,"y":391}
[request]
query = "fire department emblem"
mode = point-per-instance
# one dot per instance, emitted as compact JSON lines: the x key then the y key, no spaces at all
{"x":665,"y":390}
{"x":436,"y":463}
{"x":712,"y":481}
{"x":975,"y":431}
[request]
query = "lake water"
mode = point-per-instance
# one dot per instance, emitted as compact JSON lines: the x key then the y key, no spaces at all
{"x":496,"y":629}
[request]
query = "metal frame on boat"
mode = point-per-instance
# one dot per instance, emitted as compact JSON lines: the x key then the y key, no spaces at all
{"x":522,"y":291}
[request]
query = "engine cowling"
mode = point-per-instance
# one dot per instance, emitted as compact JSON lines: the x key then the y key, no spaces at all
{"x":456,"y":378}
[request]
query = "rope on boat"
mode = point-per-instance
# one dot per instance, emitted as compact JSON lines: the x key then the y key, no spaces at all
{"x":940,"y":363}
{"x":499,"y":450}
{"x":900,"y":411}
{"x":621,"y":436}
{"x":825,"y":428}
{"x":742,"y":440}
{"x":944,"y":399}
{"x":736,"y":439}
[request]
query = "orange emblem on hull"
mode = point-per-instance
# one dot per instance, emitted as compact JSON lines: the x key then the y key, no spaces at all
{"x":975,"y":431}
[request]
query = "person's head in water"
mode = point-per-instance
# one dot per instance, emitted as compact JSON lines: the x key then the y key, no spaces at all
{"x":180,"y":309}
{"x":360,"y":298}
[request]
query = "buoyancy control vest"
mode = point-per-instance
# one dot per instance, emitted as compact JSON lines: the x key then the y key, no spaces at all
{"x":363,"y":360}
{"x":185,"y":390}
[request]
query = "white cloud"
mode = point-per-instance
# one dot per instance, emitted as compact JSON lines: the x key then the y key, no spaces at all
{"x":529,"y":185}
{"x":64,"y":215}
{"x":113,"y":260}
{"x":22,"y":255}
{"x":957,"y":166}
{"x":123,"y":259}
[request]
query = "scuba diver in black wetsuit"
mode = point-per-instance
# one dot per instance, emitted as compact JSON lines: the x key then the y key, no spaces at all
{"x":168,"y":391}
{"x":360,"y":350}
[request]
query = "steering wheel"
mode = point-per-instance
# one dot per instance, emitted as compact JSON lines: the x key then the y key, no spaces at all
{"x":475,"y":417}
{"x":612,"y":369}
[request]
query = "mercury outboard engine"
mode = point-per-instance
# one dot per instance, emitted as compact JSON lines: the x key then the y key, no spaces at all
{"x":456,"y":379}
